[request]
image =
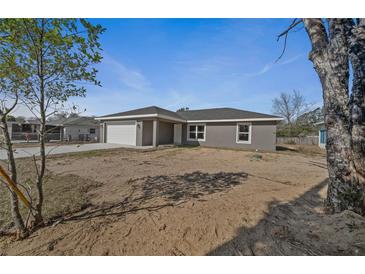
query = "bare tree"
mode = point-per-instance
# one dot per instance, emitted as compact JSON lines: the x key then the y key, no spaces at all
{"x":337,"y":45}
{"x":289,"y":106}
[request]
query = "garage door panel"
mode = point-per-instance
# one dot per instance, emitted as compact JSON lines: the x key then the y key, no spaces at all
{"x":124,"y":134}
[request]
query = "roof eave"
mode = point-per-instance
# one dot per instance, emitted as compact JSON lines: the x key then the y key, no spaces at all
{"x":236,"y":120}
{"x":155,"y":115}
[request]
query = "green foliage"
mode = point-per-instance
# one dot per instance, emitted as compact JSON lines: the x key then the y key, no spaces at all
{"x":295,"y":130}
{"x":10,"y":118}
{"x":56,"y":56}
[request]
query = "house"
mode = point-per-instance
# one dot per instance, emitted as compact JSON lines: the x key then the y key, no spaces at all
{"x":68,"y":129}
{"x":28,"y":131}
{"x":322,"y":134}
{"x":216,"y":127}
{"x":80,"y":128}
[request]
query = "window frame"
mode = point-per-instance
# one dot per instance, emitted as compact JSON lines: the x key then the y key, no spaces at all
{"x":238,"y":141}
{"x":196,"y":132}
{"x":94,"y":129}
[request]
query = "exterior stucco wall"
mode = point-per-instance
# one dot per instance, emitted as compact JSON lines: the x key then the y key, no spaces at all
{"x":166,"y":133}
{"x":147,"y":135}
{"x":223,"y":134}
{"x":75,"y":131}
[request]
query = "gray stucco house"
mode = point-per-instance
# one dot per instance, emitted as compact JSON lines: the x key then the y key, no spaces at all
{"x":217,"y":127}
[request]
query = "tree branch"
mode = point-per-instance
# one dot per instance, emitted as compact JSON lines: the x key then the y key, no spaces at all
{"x":285,"y":34}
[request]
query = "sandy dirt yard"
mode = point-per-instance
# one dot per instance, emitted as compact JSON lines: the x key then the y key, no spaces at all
{"x":194,"y":201}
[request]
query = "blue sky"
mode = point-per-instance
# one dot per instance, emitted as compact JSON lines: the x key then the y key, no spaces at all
{"x":198,"y":63}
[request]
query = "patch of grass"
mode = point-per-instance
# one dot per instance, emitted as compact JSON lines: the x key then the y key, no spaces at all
{"x":309,"y":150}
{"x":63,"y":193}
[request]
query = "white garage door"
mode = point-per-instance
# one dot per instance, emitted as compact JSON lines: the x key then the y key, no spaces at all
{"x":124,"y":134}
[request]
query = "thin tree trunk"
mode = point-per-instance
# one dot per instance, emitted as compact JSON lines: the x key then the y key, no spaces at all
{"x":41,"y":171}
{"x":330,"y":58}
{"x":40,"y":176}
{"x":42,"y":135}
{"x":14,"y":202}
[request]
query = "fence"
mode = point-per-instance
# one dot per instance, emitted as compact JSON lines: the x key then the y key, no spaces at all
{"x":305,"y":140}
{"x":22,"y":136}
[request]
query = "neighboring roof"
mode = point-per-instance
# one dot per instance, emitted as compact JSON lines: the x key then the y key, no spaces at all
{"x":26,"y":122}
{"x":224,"y":114}
{"x":151,"y":111}
{"x":213,"y":114}
{"x":77,"y":121}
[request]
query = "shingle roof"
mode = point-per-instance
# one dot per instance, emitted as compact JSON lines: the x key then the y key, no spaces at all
{"x":145,"y":111}
{"x":222,"y":114}
{"x":201,"y":114}
{"x":80,"y":121}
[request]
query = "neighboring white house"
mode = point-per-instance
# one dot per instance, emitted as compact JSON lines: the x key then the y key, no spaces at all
{"x":79,"y":129}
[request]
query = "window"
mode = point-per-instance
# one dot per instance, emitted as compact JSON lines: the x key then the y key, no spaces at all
{"x":244,"y":133}
{"x":92,"y":131}
{"x":322,"y":136}
{"x":196,"y":132}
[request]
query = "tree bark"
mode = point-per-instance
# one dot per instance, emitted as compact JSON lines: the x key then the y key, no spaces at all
{"x":14,"y":202}
{"x":357,"y":102}
{"x":41,"y":171}
{"x":42,"y":132}
{"x":331,"y":61}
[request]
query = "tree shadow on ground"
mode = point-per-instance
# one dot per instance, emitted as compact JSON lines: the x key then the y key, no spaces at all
{"x":299,"y":228}
{"x":189,"y":185}
{"x":155,"y":192}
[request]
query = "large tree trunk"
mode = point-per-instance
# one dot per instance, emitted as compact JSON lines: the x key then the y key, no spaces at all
{"x":331,"y":61}
{"x":14,"y":202}
{"x":357,"y":57}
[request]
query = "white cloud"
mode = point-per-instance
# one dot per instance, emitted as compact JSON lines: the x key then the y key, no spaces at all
{"x":205,"y":66}
{"x":269,"y":66}
{"x":291,"y":60}
{"x":176,"y":99}
{"x":263,"y":70}
{"x":127,"y":76}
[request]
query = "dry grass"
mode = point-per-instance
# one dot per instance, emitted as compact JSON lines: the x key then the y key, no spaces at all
{"x":308,"y":150}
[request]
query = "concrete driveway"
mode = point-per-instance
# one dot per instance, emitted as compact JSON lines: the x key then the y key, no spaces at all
{"x":58,"y":149}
